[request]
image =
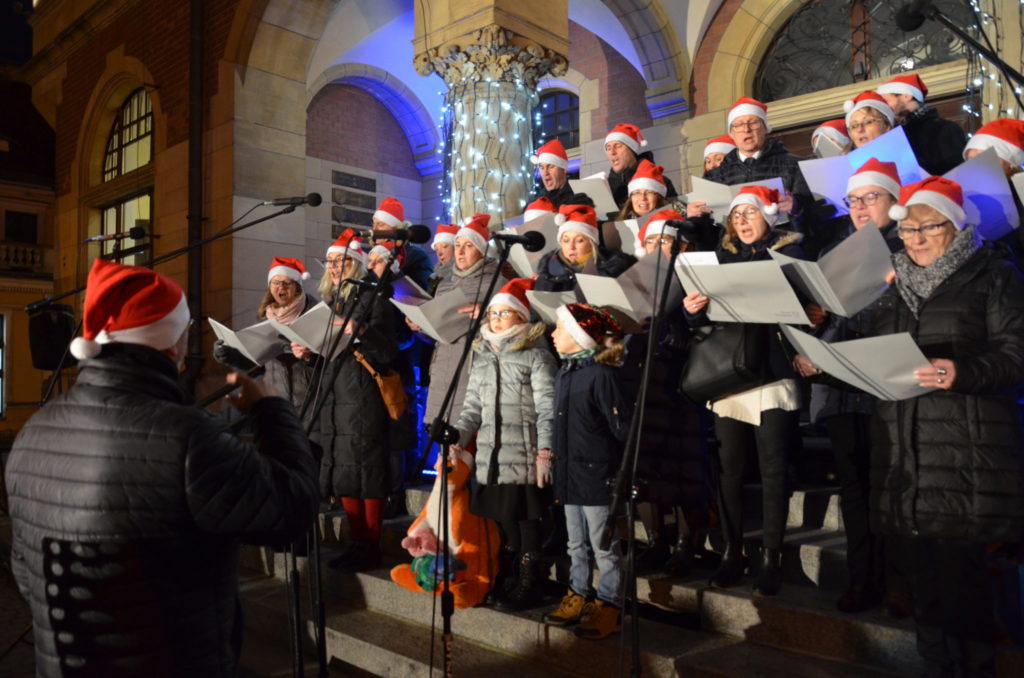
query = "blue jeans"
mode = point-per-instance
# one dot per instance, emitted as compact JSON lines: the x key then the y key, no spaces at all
{"x":585,"y":524}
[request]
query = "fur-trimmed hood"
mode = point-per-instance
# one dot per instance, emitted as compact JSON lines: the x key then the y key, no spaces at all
{"x":527,"y":339}
{"x":776,"y":239}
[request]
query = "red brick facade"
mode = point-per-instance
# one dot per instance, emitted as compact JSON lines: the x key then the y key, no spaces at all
{"x":706,"y":55}
{"x":621,"y":86}
{"x":347,"y":125}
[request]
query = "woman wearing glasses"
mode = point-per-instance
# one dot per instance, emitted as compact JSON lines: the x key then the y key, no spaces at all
{"x":846,"y":412}
{"x":946,"y":472}
{"x":770,"y":413}
{"x":867,"y":118}
{"x":509,"y":407}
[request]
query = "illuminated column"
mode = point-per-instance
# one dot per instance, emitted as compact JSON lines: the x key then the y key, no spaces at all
{"x":491,"y":73}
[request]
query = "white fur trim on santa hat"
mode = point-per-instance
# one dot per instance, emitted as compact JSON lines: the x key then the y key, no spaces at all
{"x":530,"y":215}
{"x":161,"y":334}
{"x":629,"y":141}
{"x":1004,"y":149}
{"x":867,"y":178}
{"x":355,"y":252}
{"x":506,"y":299}
{"x":470,"y":234}
{"x":577,"y":333}
{"x":900,"y":88}
{"x":770,"y":212}
{"x":936,"y":201}
{"x":550,"y":159}
{"x":576,"y":227}
{"x":718,"y":147}
{"x":744,"y":109}
{"x":442,"y":238}
{"x":659,"y":227}
{"x":288,"y":271}
{"x":388,"y":218}
{"x":647,"y":184}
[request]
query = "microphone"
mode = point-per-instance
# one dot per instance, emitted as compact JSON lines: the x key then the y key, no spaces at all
{"x":313,"y":199}
{"x":360,"y":282}
{"x":532,"y":241}
{"x":135,"y":233}
{"x":910,"y":16}
{"x":417,"y":234}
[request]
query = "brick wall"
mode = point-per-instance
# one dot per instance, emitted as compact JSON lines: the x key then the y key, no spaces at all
{"x":348,"y":125}
{"x":698,"y":95}
{"x":622,"y":87}
{"x":156,"y":33}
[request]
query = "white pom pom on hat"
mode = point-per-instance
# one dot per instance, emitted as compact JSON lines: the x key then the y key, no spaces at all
{"x":848,"y":105}
{"x":898,"y":212}
{"x":83,"y":349}
{"x":771,"y":209}
{"x":560,"y":219}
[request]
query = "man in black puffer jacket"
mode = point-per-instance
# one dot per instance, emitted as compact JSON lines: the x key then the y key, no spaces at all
{"x":128,"y":503}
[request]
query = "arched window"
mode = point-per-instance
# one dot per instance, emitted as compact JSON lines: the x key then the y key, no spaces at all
{"x":557,"y":117}
{"x":129,"y":148}
{"x":829,"y":43}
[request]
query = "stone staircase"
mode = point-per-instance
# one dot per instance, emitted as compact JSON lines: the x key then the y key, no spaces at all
{"x":375,"y":627}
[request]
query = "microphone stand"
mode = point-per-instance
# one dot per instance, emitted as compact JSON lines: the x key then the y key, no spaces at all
{"x":158,"y":260}
{"x":624,"y":488}
{"x":445,"y":435}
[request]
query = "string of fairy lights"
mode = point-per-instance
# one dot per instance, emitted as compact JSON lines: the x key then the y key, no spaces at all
{"x":999,"y":98}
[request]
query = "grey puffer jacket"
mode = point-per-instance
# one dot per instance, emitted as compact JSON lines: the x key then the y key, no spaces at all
{"x":950,"y":464}
{"x":473,"y":282}
{"x":509,"y":404}
{"x":122,"y":490}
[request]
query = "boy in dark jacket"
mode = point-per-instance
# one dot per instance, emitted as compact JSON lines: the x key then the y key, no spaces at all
{"x":591,"y":424}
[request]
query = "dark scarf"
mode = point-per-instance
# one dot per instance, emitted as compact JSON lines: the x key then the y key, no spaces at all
{"x":916,"y":283}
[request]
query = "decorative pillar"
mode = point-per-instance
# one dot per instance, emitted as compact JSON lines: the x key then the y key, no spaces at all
{"x":491,"y":73}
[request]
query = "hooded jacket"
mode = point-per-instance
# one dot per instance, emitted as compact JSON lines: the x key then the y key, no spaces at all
{"x":509,"y":405}
{"x":120,"y":489}
{"x":948,"y":464}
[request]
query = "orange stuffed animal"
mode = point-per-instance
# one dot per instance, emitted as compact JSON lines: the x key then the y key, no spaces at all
{"x":473,"y":543}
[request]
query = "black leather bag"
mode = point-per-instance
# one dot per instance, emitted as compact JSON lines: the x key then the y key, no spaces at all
{"x":725,"y":360}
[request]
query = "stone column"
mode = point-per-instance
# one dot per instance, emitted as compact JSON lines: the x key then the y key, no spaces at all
{"x":492,"y":77}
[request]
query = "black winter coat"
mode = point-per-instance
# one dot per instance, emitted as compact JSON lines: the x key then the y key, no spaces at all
{"x":592,"y":418}
{"x":618,"y":182}
{"x":560,"y":196}
{"x":119,"y":487}
{"x":949,"y":464}
{"x":553,"y":275}
{"x":938,"y":144}
{"x":775,"y":161}
{"x":354,"y":423}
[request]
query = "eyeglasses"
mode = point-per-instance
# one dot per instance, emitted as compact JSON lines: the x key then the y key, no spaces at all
{"x":494,"y":315}
{"x":863,"y":123}
{"x":335,"y":262}
{"x":748,"y":125}
{"x":867,"y":200}
{"x":926,"y":230}
{"x":659,"y":239}
{"x":746,"y":214}
{"x":643,"y":193}
{"x":282,"y":283}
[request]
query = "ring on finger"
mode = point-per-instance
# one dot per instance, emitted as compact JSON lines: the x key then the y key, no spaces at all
{"x":939,"y":380}
{"x":942,"y":371}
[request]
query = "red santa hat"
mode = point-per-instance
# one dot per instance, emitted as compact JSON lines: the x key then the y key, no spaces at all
{"x":384,"y":249}
{"x":445,"y":234}
{"x":746,"y":106}
{"x":130,"y":305}
{"x":658,"y":225}
{"x":834,"y":130}
{"x":551,"y":153}
{"x":390,"y":212}
{"x":876,"y":172}
{"x":578,"y":219}
{"x":627,"y":134}
{"x":589,"y":326}
{"x":288,"y":266}
{"x":909,"y":83}
{"x":349,"y":244}
{"x":648,"y":177}
{"x":722,"y":144}
{"x":475,"y":230}
{"x":1005,"y":135}
{"x":763,"y":198}
{"x":538,"y":208}
{"x":513,"y":294}
{"x":868,"y":99}
{"x":939,"y":193}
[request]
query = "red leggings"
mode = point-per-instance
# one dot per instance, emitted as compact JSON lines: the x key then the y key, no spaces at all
{"x":365,"y":517}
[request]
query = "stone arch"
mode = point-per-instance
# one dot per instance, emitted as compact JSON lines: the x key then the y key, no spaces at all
{"x":665,"y":64}
{"x":420,"y":130}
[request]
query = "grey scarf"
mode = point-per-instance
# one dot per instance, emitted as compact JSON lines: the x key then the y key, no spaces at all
{"x":916,"y":283}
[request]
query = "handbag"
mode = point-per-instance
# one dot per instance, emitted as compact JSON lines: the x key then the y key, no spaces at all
{"x":724,"y":360}
{"x":391,"y":389}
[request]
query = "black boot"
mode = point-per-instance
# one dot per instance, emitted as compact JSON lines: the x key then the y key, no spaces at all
{"x":506,"y":576}
{"x":364,"y":555}
{"x":526,"y":592}
{"x":731,"y":568}
{"x":769,"y":578}
{"x":681,"y":560}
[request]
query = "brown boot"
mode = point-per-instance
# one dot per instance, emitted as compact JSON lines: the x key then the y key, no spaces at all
{"x":568,"y":612}
{"x":600,"y":620}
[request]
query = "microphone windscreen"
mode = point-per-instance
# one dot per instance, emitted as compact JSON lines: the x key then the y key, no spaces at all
{"x":313,"y":199}
{"x":419,"y":234}
{"x":535,"y":241}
